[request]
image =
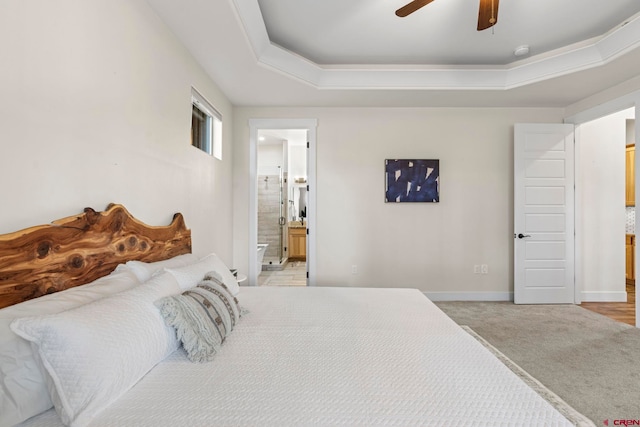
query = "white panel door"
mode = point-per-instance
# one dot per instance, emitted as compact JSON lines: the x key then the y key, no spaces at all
{"x":543,"y":214}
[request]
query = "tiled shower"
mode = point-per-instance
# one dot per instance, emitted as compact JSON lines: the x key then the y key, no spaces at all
{"x":272,"y":190}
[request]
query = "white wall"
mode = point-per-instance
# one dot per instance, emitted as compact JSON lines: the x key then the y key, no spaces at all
{"x":297,"y":162}
{"x":601,"y":187}
{"x":613,"y":99}
{"x":270,"y":157}
{"x":631,"y":130}
{"x":297,"y":169}
{"x":95,"y":108}
{"x":432,"y":247}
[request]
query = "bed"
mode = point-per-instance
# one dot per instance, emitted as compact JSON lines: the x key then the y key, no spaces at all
{"x":296,"y":356}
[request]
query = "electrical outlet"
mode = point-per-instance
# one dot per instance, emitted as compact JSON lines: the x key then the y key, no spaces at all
{"x":354,"y":269}
{"x":476,"y":269}
{"x":485,"y":269}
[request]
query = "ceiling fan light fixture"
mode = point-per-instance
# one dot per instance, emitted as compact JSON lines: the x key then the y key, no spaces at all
{"x":521,"y":50}
{"x":488,"y":14}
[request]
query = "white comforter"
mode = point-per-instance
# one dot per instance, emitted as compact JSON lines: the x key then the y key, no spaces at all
{"x":333,"y":356}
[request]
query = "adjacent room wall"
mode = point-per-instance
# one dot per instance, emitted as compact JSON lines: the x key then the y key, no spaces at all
{"x":271,"y":158}
{"x":297,"y":170}
{"x":95,"y":107}
{"x":432,"y":247}
{"x":601,"y":185}
{"x":621,"y":96}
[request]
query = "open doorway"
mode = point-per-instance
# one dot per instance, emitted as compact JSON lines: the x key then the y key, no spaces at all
{"x":605,"y":153}
{"x":282,"y":207}
{"x":282,"y":203}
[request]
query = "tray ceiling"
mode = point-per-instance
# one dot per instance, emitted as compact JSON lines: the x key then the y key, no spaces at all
{"x":337,"y":53}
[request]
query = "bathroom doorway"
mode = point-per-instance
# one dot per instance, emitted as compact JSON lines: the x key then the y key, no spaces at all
{"x":283,"y":187}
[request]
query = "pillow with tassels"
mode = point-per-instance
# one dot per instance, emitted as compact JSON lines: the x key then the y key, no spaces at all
{"x":202,"y":316}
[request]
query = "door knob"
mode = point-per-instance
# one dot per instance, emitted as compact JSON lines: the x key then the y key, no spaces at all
{"x":522,"y":236}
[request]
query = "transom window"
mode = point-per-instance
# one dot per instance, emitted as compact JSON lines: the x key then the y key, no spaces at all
{"x":206,"y":126}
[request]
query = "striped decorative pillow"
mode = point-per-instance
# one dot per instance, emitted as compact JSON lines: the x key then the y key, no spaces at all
{"x":202,"y":316}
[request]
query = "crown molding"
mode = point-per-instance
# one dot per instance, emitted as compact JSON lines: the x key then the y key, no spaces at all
{"x":577,"y":57}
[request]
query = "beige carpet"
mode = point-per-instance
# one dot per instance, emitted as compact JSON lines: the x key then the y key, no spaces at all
{"x":578,"y":419}
{"x":588,"y":360}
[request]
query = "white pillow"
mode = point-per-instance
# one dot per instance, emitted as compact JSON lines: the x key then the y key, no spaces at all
{"x":144,"y":270}
{"x":95,"y":353}
{"x":191,"y":275}
{"x":23,"y":391}
{"x":226,"y":275}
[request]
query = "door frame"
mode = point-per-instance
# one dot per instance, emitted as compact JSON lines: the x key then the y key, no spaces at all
{"x":628,"y":101}
{"x":310,"y":126}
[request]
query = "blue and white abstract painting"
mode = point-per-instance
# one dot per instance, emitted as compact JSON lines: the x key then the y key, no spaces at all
{"x":412,"y":180}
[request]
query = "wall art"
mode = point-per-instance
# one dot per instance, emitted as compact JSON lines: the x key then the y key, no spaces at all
{"x":412,"y":180}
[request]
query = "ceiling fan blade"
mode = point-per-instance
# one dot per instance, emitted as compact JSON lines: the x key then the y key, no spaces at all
{"x":488,"y":14}
{"x":411,"y":7}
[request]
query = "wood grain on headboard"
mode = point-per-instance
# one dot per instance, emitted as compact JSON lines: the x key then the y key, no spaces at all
{"x":79,"y":249}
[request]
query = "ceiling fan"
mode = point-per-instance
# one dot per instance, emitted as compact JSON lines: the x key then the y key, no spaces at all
{"x":487,"y":15}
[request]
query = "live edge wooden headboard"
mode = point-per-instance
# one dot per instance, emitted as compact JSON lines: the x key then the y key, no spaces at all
{"x":79,"y":249}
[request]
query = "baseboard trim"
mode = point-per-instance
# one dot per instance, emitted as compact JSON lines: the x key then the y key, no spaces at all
{"x":600,"y":296}
{"x":469,"y":296}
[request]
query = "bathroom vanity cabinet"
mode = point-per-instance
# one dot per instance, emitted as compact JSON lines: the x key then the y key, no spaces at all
{"x":298,"y":243}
